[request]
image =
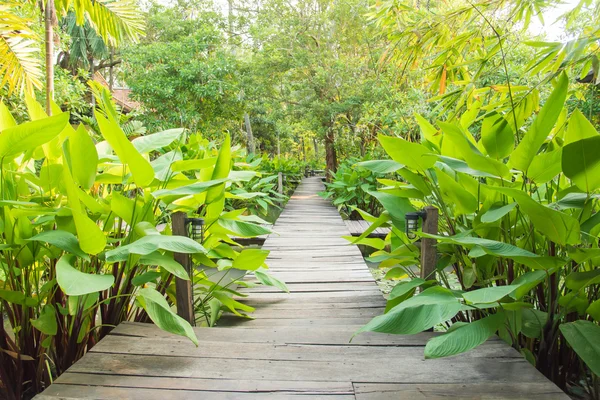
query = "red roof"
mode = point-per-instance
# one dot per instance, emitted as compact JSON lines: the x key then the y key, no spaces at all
{"x":120,"y":95}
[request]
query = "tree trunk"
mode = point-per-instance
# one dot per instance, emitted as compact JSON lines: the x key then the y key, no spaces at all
{"x":304,"y":150}
{"x":111,"y":77}
{"x":316,"y":145}
{"x":278,"y":146}
{"x":330,"y":156}
{"x":250,"y":137}
{"x":49,"y":37}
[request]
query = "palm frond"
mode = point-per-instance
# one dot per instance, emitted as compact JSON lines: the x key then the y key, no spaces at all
{"x":20,"y":68}
{"x":114,"y":20}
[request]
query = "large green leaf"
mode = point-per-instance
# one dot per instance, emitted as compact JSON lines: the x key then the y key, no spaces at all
{"x":194,"y":188}
{"x":15,"y":297}
{"x":557,"y":226}
{"x":500,"y":249}
{"x":250,"y":259}
{"x":583,"y":338}
{"x":581,"y":279}
{"x":28,"y":136}
{"x":76,"y":283}
{"x":83,"y":156}
{"x":579,"y":128}
{"x":463,"y":201}
{"x":497,"y":136}
{"x":457,"y":144}
{"x":413,"y":155}
{"x":215,"y":196}
{"x":419,"y":313}
{"x":528,"y":281}
{"x":380,"y":166}
{"x":243,"y":229}
{"x":46,"y":322}
{"x":232,"y":304}
{"x":151,"y":243}
{"x":545,"y":166}
{"x":6,"y":118}
{"x":397,"y":207}
{"x":429,"y":132}
{"x":91,"y":237}
{"x":270,"y":280}
{"x":142,"y":171}
{"x":581,"y":163}
{"x":496,"y":213}
{"x":156,"y":141}
{"x":189,"y":165}
{"x":63,"y":240}
{"x":464,"y":338}
{"x":533,"y":322}
{"x":161,"y":314}
{"x":539,"y":130}
{"x":489,"y":294}
{"x":403,"y":291}
{"x":165,"y":261}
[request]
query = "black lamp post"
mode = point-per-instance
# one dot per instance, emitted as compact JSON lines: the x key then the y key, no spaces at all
{"x":412,"y":222}
{"x":195,"y":227}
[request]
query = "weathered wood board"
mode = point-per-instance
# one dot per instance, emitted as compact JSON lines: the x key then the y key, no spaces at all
{"x":301,"y":344}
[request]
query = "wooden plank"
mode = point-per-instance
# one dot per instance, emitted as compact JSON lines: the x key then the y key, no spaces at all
{"x":368,"y":370}
{"x":334,"y":335}
{"x":471,"y":391}
{"x":67,"y":392}
{"x":180,"y":347}
{"x":209,"y":385}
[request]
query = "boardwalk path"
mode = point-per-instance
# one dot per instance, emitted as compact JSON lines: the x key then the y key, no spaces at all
{"x":297,"y":347}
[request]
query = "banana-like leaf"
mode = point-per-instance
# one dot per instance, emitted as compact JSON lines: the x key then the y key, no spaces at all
{"x":156,"y":141}
{"x":76,"y":283}
{"x":250,"y":259}
{"x":557,"y":226}
{"x":537,"y":134}
{"x":583,"y":336}
{"x":24,"y":137}
{"x":63,"y":240}
{"x":413,"y":155}
{"x":142,"y":171}
{"x":161,"y":314}
{"x":84,"y":157}
{"x":464,"y":338}
{"x":489,"y":294}
{"x":151,"y":243}
{"x":419,"y":313}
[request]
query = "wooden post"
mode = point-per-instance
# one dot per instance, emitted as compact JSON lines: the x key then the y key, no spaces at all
{"x":183,"y":288}
{"x":428,"y":250}
{"x":280,"y":186}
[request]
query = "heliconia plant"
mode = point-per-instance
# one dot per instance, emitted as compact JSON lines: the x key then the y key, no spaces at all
{"x":517,"y":194}
{"x":86,"y":237}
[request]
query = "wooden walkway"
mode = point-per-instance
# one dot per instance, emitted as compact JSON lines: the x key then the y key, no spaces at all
{"x":298,"y":345}
{"x":358,"y":227}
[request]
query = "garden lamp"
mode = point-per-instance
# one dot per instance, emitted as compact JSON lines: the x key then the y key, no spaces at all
{"x":196,"y":228}
{"x":412,"y":222}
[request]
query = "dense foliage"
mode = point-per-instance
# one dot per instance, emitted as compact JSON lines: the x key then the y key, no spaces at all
{"x":87,"y":238}
{"x":458,"y":105}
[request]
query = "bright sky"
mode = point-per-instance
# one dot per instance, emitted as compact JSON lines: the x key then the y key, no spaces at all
{"x":554,"y":30}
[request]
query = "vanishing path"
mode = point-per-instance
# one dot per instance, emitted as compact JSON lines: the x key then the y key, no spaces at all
{"x":298,"y":345}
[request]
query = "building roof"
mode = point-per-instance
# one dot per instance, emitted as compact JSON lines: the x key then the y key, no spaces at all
{"x":119,"y":95}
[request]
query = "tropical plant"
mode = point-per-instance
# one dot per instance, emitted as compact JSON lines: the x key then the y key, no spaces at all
{"x":351,"y":189}
{"x":86,"y":235}
{"x":518,"y":232}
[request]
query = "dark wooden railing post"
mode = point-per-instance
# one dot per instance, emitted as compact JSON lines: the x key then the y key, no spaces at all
{"x":428,"y":250}
{"x":183,"y":288}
